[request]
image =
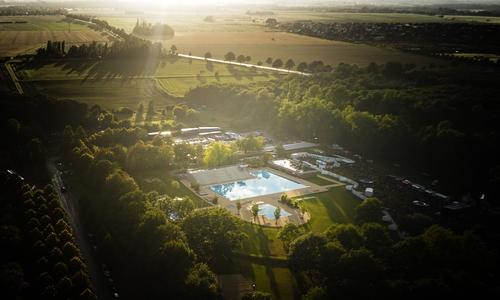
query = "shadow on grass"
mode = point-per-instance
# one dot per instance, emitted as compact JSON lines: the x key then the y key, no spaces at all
{"x":209,"y":66}
{"x":273,"y":282}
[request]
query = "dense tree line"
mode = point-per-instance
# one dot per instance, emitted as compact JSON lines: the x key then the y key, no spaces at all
{"x":145,"y":28}
{"x":437,"y":118}
{"x":435,"y":264}
{"x":40,"y":258}
{"x":128,"y":47}
{"x":158,"y":236}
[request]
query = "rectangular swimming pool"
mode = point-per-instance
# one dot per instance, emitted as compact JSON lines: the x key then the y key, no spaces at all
{"x":264,"y":183}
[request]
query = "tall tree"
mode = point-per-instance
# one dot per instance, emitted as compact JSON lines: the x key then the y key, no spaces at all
{"x":229,"y":56}
{"x":277,"y":214}
{"x":277,"y":63}
{"x":369,"y":210}
{"x":289,"y":233}
{"x":217,"y":154}
{"x":289,"y":64}
{"x":213,"y":234}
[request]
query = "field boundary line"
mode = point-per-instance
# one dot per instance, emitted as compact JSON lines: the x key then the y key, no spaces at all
{"x":14,"y":78}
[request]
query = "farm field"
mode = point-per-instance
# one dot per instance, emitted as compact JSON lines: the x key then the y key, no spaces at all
{"x":331,"y":17}
{"x":243,"y":34}
{"x":24,"y":38}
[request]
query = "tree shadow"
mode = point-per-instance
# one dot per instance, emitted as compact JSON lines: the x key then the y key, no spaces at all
{"x":272,"y":281}
{"x":110,"y":69}
{"x":230,"y":69}
{"x":209,"y":66}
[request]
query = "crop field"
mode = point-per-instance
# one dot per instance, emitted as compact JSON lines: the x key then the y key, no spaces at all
{"x":331,"y":17}
{"x":482,"y":19}
{"x":244,"y":34}
{"x":22,"y":38}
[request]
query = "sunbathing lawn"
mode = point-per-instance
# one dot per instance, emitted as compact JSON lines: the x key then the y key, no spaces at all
{"x":262,"y":258}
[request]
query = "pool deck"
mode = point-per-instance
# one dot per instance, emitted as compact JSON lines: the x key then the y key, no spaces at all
{"x":273,"y":199}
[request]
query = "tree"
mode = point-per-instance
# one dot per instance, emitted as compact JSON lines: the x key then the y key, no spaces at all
{"x":208,"y":55}
{"x":315,"y":293}
{"x":240,"y":58}
{"x":12,"y":281}
{"x":216,"y":154}
{"x":267,"y":157}
{"x":277,"y":63}
{"x":257,"y":295}
{"x":248,"y":58}
{"x":280,"y":150}
{"x":269,"y":61}
{"x":213,"y":234}
{"x":348,"y":235}
{"x":369,"y":210}
{"x":238,"y":205}
{"x":289,"y":64}
{"x":414,"y":224}
{"x":229,"y":56}
{"x":151,"y":107}
{"x":302,"y":66}
{"x":277,"y":213}
{"x":173,"y":48}
{"x":255,"y":210}
{"x":200,"y":284}
{"x":289,"y":233}
{"x":306,"y":255}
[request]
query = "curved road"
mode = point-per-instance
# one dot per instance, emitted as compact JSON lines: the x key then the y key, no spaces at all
{"x":70,"y":205}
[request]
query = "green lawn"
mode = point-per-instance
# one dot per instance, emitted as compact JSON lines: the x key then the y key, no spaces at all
{"x":262,"y":258}
{"x":123,"y":82}
{"x":319,"y":181}
{"x":165,"y":178}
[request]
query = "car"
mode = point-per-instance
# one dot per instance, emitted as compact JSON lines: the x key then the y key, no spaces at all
{"x":110,"y":280}
{"x":95,"y":248}
{"x":420,"y":203}
{"x":107,"y":274}
{"x":115,"y":295}
{"x":104,"y":267}
{"x":63,"y":189}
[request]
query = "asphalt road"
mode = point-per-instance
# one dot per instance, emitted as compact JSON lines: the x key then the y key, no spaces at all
{"x":70,"y":205}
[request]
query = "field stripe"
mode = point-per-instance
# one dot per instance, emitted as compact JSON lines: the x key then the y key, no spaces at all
{"x":14,"y":78}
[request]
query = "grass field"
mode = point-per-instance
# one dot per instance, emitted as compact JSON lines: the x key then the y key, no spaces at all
{"x":115,"y":83}
{"x":262,"y":259}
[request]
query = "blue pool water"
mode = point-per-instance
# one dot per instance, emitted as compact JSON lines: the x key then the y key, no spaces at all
{"x":264,"y":183}
{"x":267,"y":210}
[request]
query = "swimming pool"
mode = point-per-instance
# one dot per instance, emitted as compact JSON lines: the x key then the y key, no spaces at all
{"x":264,"y":183}
{"x":267,"y":210}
